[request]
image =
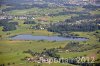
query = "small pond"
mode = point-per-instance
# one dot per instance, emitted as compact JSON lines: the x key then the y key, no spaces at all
{"x":49,"y":38}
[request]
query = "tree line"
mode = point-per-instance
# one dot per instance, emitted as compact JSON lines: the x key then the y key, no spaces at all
{"x":78,"y":23}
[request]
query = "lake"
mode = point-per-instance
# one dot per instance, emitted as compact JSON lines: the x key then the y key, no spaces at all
{"x":49,"y":38}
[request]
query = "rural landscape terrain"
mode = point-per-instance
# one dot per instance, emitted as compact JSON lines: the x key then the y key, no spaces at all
{"x":49,"y":32}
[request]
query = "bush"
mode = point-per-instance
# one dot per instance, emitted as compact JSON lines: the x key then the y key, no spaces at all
{"x":30,"y":22}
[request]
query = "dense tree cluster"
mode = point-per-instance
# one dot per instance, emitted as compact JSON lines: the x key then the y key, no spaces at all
{"x":24,"y":6}
{"x":73,"y":27}
{"x":78,"y":23}
{"x":83,"y":17}
{"x":8,"y":26}
{"x":91,"y":7}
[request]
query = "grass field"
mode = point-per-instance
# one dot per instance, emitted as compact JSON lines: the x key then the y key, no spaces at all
{"x":38,"y":11}
{"x":95,"y":12}
{"x":12,"y":51}
{"x":55,"y":18}
{"x":92,"y":38}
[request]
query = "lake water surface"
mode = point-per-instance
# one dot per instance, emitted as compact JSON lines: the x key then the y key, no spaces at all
{"x":49,"y":38}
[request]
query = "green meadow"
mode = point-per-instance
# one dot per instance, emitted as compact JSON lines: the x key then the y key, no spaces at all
{"x":11,"y":51}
